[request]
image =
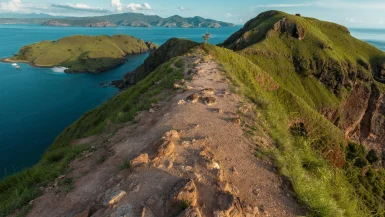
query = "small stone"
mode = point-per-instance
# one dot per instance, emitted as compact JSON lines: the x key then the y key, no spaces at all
{"x":218,"y":110}
{"x":234,"y":171}
{"x":208,"y":91}
{"x":114,"y":197}
{"x":210,"y":100}
{"x":85,"y":213}
{"x":151,"y":110}
{"x":236,"y":121}
{"x":150,"y":201}
{"x":187,"y":88}
{"x":177,"y":86}
{"x":181,"y":102}
{"x":146,"y":212}
{"x":62,"y":177}
{"x":172,"y":134}
{"x":193,"y":98}
{"x":140,"y":160}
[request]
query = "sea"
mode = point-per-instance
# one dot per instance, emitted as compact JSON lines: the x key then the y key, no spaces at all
{"x":36,"y":104}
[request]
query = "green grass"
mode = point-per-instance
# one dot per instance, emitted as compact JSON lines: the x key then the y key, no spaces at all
{"x":321,"y":186}
{"x":17,"y":190}
{"x":82,"y":53}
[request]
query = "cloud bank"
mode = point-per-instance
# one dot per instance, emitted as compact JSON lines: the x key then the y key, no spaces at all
{"x":132,"y":7}
{"x":80,"y":7}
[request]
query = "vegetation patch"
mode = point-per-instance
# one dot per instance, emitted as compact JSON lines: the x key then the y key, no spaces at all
{"x":82,"y":53}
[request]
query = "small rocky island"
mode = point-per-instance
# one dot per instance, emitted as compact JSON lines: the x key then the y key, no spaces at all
{"x":80,"y":53}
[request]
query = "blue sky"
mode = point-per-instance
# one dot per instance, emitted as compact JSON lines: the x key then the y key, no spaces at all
{"x":351,"y":13}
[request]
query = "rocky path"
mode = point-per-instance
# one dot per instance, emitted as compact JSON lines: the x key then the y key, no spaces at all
{"x":188,"y":156}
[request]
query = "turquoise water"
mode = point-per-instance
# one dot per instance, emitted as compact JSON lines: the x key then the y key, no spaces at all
{"x":37,"y":104}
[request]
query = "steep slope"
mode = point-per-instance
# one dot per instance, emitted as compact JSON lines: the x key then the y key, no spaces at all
{"x":298,"y":52}
{"x":137,"y":20}
{"x":82,"y":53}
{"x":333,"y":74}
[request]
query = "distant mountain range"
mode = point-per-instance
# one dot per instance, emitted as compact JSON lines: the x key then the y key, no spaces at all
{"x":125,"y":19}
{"x":28,"y":16}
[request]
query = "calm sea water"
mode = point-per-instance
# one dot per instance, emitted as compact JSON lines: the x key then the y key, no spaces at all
{"x":37,"y":104}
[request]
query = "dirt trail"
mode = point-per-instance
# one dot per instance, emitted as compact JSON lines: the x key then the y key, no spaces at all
{"x":198,"y":156}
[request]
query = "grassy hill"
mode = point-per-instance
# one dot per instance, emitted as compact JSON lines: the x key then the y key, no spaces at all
{"x":82,"y":53}
{"x":316,"y":91}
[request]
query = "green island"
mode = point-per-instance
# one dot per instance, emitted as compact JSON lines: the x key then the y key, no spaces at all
{"x":316,"y":92}
{"x":80,"y":53}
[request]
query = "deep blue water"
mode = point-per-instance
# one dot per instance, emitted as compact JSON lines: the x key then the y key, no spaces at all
{"x":37,"y":104}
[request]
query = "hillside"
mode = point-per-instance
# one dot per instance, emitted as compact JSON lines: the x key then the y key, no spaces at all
{"x":285,"y":118}
{"x":137,"y":20}
{"x":81,"y":53}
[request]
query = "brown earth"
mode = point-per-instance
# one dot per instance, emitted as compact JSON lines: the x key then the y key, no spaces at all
{"x":199,"y":157}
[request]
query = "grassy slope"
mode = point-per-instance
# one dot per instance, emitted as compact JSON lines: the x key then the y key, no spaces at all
{"x":82,"y":53}
{"x":17,"y":190}
{"x":327,"y":54}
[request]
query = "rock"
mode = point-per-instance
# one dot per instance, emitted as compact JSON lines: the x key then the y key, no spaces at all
{"x":140,"y":160}
{"x":229,"y":206}
{"x":165,"y":148}
{"x":193,"y":98}
{"x":208,"y":91}
{"x":191,"y":212}
{"x":213,"y":165}
{"x":184,"y":191}
{"x":151,"y":110}
{"x":172,"y":134}
{"x":85,"y":213}
{"x":236,"y":121}
{"x":124,"y":211}
{"x":291,"y":28}
{"x":210,"y":100}
{"x":187,"y":88}
{"x":178,"y":86}
{"x":113,"y":196}
{"x":146,"y":212}
{"x":181,"y":102}
{"x":225,"y":187}
{"x":218,"y":110}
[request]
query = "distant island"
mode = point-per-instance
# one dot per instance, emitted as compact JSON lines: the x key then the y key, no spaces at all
{"x":81,"y":53}
{"x":125,"y":19}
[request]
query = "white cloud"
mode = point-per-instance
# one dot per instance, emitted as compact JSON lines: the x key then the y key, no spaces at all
{"x":13,"y":6}
{"x":230,"y":15}
{"x":118,"y":6}
{"x":281,"y":5}
{"x":80,"y":7}
{"x":353,"y":20}
{"x":181,"y":8}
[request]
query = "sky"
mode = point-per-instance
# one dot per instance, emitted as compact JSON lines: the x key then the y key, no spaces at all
{"x":351,"y":13}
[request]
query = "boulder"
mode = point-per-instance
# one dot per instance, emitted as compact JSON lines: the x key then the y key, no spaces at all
{"x":193,"y":98}
{"x":191,"y":212}
{"x":229,"y":206}
{"x":165,"y":148}
{"x":140,"y":160}
{"x":184,"y":191}
{"x":208,"y":91}
{"x":210,"y":100}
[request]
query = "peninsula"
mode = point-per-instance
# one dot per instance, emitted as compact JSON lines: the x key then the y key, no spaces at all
{"x":80,"y":53}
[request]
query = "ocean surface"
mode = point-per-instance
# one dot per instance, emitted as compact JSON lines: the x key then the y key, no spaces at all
{"x":36,"y":104}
